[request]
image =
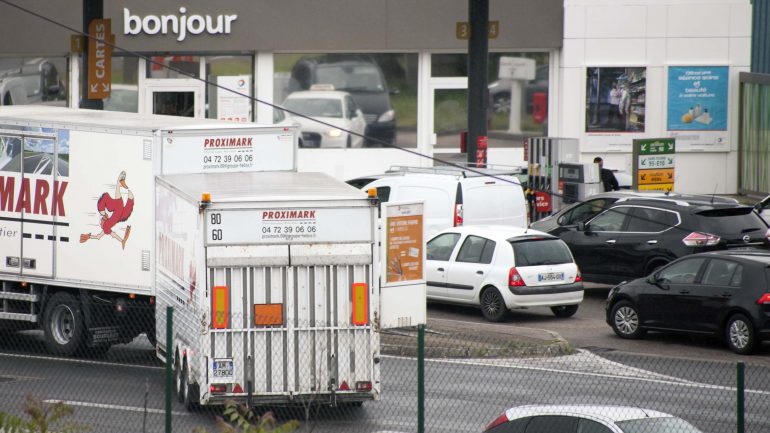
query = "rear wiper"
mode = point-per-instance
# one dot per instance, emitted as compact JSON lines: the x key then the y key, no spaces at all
{"x":750,"y":230}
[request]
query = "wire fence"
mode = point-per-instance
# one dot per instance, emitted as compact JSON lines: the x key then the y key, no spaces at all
{"x":469,"y":380}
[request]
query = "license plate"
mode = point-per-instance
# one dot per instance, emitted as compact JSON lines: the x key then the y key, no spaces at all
{"x":222,"y":368}
{"x":551,"y":276}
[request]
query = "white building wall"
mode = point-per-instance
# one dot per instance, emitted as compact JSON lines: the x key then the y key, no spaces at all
{"x":654,"y":34}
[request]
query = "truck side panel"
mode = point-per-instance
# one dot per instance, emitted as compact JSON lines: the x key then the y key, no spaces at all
{"x":109,"y":206}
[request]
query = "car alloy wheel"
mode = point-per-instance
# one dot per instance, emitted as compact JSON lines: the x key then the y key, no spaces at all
{"x":740,"y":335}
{"x":492,"y":305}
{"x":625,"y":320}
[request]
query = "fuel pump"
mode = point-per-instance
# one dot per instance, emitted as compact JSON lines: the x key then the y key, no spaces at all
{"x":544,"y":155}
{"x":578,"y":181}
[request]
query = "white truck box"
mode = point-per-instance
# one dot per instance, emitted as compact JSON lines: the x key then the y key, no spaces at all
{"x":107,"y":206}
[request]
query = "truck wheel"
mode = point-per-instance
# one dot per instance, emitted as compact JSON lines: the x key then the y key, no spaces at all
{"x":63,"y":324}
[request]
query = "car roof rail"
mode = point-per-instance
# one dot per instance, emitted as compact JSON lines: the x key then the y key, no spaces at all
{"x":661,"y":199}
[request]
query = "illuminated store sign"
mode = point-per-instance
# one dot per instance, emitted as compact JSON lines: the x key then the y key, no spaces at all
{"x":180,"y":25}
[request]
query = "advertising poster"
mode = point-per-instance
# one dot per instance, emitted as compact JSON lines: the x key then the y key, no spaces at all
{"x":615,"y":99}
{"x":231,"y":106}
{"x":404,"y":243}
{"x":697,"y":107}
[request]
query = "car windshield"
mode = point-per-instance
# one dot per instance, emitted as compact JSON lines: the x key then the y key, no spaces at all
{"x":540,"y":252}
{"x":358,"y":78}
{"x":657,"y":425}
{"x":315,"y":107}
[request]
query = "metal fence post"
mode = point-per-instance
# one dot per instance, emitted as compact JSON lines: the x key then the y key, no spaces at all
{"x":421,"y":378}
{"x":740,"y":397}
{"x":169,"y":361}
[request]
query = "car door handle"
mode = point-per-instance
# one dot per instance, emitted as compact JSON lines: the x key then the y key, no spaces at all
{"x":480,"y":272}
{"x":652,"y":242}
{"x":726,"y":294}
{"x":610,"y":241}
{"x":440,"y":269}
{"x":684,"y":292}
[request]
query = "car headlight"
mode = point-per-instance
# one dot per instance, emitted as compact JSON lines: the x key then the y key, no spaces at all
{"x":334,"y":132}
{"x":387,"y":116}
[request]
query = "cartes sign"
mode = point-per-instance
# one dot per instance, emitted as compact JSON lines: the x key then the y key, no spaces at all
{"x":99,"y":59}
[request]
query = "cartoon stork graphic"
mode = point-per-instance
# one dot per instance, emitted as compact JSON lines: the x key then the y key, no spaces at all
{"x":113,"y":211}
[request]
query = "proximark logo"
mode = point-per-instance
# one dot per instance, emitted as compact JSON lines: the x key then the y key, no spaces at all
{"x":179,"y":25}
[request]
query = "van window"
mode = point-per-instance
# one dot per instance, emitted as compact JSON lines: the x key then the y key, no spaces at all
{"x":383,"y":194}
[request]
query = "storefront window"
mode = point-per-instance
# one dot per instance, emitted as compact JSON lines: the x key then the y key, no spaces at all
{"x":528,"y":88}
{"x":231,"y":72}
{"x":382,"y":85}
{"x":173,"y":67}
{"x":33,"y":81}
{"x":124,"y":95}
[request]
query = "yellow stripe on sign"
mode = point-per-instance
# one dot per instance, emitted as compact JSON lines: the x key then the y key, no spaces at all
{"x":656,"y":187}
{"x":220,"y":315}
{"x":360,"y":298}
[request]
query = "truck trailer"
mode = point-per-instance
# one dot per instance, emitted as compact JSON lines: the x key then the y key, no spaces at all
{"x":108,"y":219}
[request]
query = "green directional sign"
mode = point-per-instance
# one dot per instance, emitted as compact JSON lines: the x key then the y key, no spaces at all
{"x":656,"y":146}
{"x":654,"y":164}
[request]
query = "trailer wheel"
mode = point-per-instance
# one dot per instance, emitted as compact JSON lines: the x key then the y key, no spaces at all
{"x":179,"y":382}
{"x":63,"y":324}
{"x":190,"y":398}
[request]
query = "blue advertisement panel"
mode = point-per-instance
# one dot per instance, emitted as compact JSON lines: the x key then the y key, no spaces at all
{"x":697,"y":98}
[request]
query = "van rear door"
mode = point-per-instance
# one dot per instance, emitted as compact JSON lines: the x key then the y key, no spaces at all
{"x":498,"y":200}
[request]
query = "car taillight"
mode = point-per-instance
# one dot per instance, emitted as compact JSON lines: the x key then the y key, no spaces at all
{"x":578,"y":276}
{"x":458,"y":221}
{"x":499,"y":420}
{"x":698,"y":239}
{"x":514,"y":279}
{"x":218,"y":389}
{"x":764,"y":299}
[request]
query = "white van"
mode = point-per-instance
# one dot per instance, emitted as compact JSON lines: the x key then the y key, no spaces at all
{"x":455,"y":197}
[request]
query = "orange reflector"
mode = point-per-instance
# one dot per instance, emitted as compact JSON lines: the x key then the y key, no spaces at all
{"x":131,"y":296}
{"x":220,"y":308}
{"x":237,"y":389}
{"x":360,"y":299}
{"x":268,"y":314}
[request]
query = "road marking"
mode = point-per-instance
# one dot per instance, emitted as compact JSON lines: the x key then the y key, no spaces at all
{"x":80,"y":361}
{"x":663,"y":380}
{"x":113,"y":406}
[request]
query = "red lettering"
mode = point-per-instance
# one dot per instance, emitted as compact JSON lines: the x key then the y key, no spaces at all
{"x":6,"y":193}
{"x":23,"y":202}
{"x":312,"y":214}
{"x":41,"y":194}
{"x":57,"y":207}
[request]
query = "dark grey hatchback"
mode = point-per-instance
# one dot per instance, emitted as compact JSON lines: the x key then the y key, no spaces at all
{"x":721,"y":293}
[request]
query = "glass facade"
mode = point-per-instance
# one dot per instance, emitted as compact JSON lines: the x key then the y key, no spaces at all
{"x":383,"y":86}
{"x":33,"y":81}
{"x":124,"y":95}
{"x":754,"y":147}
{"x":229,"y":72}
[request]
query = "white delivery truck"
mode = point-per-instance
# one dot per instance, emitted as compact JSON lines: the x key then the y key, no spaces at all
{"x":107,"y":219}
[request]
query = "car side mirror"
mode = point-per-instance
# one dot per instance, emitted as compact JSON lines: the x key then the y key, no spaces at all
{"x":583,"y":227}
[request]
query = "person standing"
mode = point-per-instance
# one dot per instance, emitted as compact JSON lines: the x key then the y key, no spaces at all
{"x":614,"y":100}
{"x":624,"y":106}
{"x":608,"y":177}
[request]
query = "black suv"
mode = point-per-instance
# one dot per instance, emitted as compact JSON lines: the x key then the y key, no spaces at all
{"x":361,"y":77}
{"x":633,"y":236}
{"x":720,"y":293}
